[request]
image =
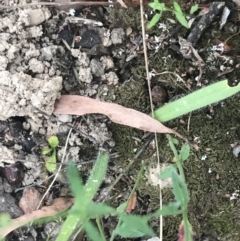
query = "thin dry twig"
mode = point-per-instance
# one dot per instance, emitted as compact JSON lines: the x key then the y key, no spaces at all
{"x":175,"y":74}
{"x":152,"y":111}
{"x":91,"y":3}
{"x":54,"y":4}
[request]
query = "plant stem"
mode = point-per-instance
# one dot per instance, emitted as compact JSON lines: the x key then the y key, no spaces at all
{"x":100,"y":229}
{"x":187,"y":226}
{"x":129,"y":197}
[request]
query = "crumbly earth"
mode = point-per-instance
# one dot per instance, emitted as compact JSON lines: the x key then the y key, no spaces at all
{"x":38,"y":63}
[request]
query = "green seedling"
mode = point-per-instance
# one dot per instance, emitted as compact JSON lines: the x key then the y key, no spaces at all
{"x":196,"y":100}
{"x":129,"y":226}
{"x":179,"y":186}
{"x":80,"y":216}
{"x":51,"y":153}
{"x":176,"y":10}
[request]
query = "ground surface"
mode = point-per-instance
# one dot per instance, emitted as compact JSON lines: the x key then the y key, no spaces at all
{"x":107,"y":63}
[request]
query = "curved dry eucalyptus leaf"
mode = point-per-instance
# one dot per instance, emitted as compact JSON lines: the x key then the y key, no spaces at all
{"x":59,"y":205}
{"x":79,"y":105}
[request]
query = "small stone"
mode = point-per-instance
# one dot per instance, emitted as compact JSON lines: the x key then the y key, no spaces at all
{"x":107,"y":62}
{"x":117,"y":35}
{"x":14,"y":174}
{"x":97,"y":67}
{"x":111,"y":78}
{"x":85,"y":75}
{"x":34,"y":17}
{"x":36,"y":66}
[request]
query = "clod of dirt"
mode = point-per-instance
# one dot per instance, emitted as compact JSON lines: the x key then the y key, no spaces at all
{"x":21,"y":92}
{"x":111,"y":78}
{"x":107,"y":62}
{"x":117,"y":36}
{"x":8,"y":204}
{"x":97,"y":67}
{"x":159,"y":95}
{"x":30,"y":200}
{"x":36,"y":66}
{"x":3,"y":62}
{"x":98,"y":130}
{"x":105,"y":37}
{"x":34,"y":17}
{"x":33,"y":164}
{"x":52,"y":229}
{"x":7,"y":154}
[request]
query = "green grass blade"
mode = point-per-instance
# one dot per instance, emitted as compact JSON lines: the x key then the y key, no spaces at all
{"x":68,"y":227}
{"x":92,"y":232}
{"x":76,"y":183}
{"x":198,"y":99}
{"x":96,"y":177}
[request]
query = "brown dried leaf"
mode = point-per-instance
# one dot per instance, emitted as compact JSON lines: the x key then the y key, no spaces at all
{"x":59,"y":205}
{"x":132,"y":203}
{"x":79,"y":105}
{"x":30,"y":199}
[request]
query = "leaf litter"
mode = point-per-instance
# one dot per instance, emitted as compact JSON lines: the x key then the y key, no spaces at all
{"x":59,"y":205}
{"x":79,"y":105}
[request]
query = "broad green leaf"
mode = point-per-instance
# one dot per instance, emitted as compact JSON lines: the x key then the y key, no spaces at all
{"x":76,"y":183}
{"x":175,"y":141}
{"x":154,"y":20}
{"x":184,"y":192}
{"x":156,"y":5}
{"x":51,"y":162}
{"x":167,"y":210}
{"x":180,"y":189}
{"x":177,"y":7}
{"x":74,"y":219}
{"x":181,"y":19}
{"x":99,"y":209}
{"x":166,"y":172}
{"x":198,"y":99}
{"x":122,"y":207}
{"x":96,"y":177}
{"x":177,"y":191}
{"x":185,"y":152}
{"x":92,"y":232}
{"x":133,"y":227}
{"x":53,"y":141}
{"x":193,"y":9}
{"x":71,"y":223}
{"x":46,"y":150}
